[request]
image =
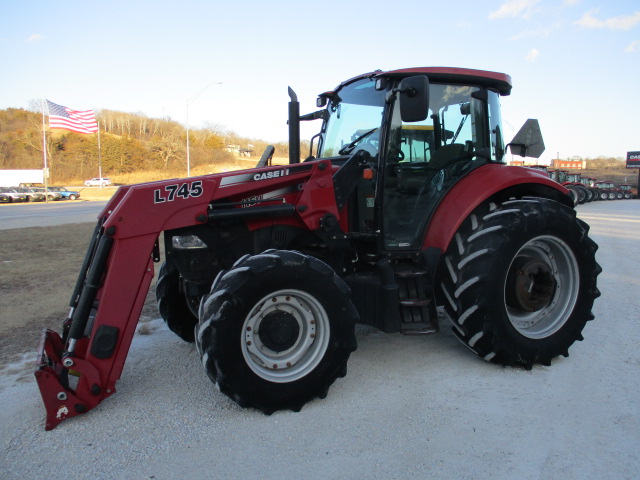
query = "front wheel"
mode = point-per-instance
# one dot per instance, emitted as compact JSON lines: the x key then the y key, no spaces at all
{"x":173,"y":305}
{"x":276,"y":330}
{"x":519,"y":281}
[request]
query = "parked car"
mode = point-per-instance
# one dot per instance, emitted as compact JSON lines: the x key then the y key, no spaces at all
{"x":13,"y":194}
{"x":66,"y":194}
{"x":32,"y":194}
{"x":97,"y":182}
{"x":51,"y":195}
{"x":4,"y":198}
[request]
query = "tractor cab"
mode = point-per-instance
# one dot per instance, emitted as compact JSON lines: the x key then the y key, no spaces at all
{"x":421,"y":132}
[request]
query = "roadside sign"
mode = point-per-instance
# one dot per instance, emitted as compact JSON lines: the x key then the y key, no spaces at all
{"x":633,"y":159}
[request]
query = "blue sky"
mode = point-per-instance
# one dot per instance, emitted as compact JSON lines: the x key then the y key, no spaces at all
{"x":575,"y":64}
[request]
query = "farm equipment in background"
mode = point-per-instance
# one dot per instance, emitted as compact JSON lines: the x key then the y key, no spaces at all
{"x":608,"y":190}
{"x":629,"y":191}
{"x":572,"y":182}
{"x":589,"y":183}
{"x":403,"y":205}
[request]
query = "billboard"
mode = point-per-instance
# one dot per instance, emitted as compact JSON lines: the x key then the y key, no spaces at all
{"x":633,"y":159}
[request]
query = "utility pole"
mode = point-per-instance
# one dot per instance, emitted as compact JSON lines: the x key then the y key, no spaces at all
{"x":189,"y":102}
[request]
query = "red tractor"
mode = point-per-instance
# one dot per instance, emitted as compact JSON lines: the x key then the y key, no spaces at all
{"x":589,"y":183}
{"x":572,"y":182}
{"x":404,"y":205}
{"x":608,"y":190}
{"x":585,"y":194}
{"x":628,"y":191}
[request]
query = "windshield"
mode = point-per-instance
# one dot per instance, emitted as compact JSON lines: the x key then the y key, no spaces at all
{"x":355,"y":116}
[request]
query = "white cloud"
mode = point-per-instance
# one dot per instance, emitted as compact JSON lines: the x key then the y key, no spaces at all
{"x":633,"y":47}
{"x":514,"y":8}
{"x":533,"y":54}
{"x":36,"y":37}
{"x":544,"y":32}
{"x":622,"y":22}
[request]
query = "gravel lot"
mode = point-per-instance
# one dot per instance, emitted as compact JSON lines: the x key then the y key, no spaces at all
{"x":410,"y":407}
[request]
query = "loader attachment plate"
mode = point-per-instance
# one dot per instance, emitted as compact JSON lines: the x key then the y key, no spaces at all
{"x":61,"y":401}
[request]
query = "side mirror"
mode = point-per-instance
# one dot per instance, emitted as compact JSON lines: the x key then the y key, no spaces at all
{"x":528,"y":141}
{"x":414,"y":98}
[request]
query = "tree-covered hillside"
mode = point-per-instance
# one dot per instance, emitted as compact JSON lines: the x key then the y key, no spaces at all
{"x":128,"y":143}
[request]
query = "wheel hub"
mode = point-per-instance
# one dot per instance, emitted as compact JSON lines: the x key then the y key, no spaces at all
{"x":541,"y":287}
{"x":285,"y":336}
{"x":532,"y":285}
{"x":279,"y":331}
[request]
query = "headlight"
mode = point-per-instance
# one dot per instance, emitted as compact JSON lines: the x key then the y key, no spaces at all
{"x":187,"y":242}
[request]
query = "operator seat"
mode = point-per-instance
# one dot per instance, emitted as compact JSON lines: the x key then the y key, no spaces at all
{"x":445,"y":154}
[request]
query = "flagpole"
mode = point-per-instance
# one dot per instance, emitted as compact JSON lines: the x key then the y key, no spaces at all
{"x":99,"y":155}
{"x":45,"y":171}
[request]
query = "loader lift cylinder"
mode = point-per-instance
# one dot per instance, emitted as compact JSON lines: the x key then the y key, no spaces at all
{"x":89,"y":291}
{"x":77,"y":289}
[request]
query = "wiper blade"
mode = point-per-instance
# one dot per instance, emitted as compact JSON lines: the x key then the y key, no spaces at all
{"x":347,"y":148}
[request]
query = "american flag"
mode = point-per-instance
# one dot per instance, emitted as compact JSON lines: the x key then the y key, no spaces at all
{"x":81,"y":121}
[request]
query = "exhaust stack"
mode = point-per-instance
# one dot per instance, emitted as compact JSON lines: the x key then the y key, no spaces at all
{"x":294,"y":128}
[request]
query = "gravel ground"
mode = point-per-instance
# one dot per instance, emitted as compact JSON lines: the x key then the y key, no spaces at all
{"x":410,"y":407}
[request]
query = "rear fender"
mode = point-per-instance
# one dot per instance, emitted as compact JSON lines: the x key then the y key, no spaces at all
{"x":489,"y":181}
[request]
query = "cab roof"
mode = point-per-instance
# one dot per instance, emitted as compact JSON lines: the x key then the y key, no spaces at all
{"x":500,"y":82}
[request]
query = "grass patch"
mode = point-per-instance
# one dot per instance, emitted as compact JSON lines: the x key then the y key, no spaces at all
{"x":38,"y":270}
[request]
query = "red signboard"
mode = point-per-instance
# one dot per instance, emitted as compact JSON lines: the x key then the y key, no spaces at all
{"x":633,"y":159}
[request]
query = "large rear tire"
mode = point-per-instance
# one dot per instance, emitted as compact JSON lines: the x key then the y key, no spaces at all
{"x":173,"y":305}
{"x":519,"y":281}
{"x":276,"y":330}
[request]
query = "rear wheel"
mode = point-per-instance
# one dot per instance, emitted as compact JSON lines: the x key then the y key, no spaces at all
{"x":588,"y":194}
{"x":519,"y":281}
{"x":573,"y":193}
{"x":172,"y":304}
{"x":276,"y":330}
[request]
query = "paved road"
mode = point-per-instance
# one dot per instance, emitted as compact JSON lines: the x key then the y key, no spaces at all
{"x":48,"y":214}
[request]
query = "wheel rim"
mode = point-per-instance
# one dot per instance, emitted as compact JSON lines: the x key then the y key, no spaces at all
{"x":285,"y":336}
{"x":541,"y":287}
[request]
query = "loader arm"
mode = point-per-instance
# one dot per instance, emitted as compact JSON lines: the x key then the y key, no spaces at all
{"x":79,"y":368}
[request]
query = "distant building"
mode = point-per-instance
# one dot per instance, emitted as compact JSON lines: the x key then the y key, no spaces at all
{"x":238,"y":150}
{"x":569,"y":164}
{"x":524,"y":163}
{"x":232,"y":148}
